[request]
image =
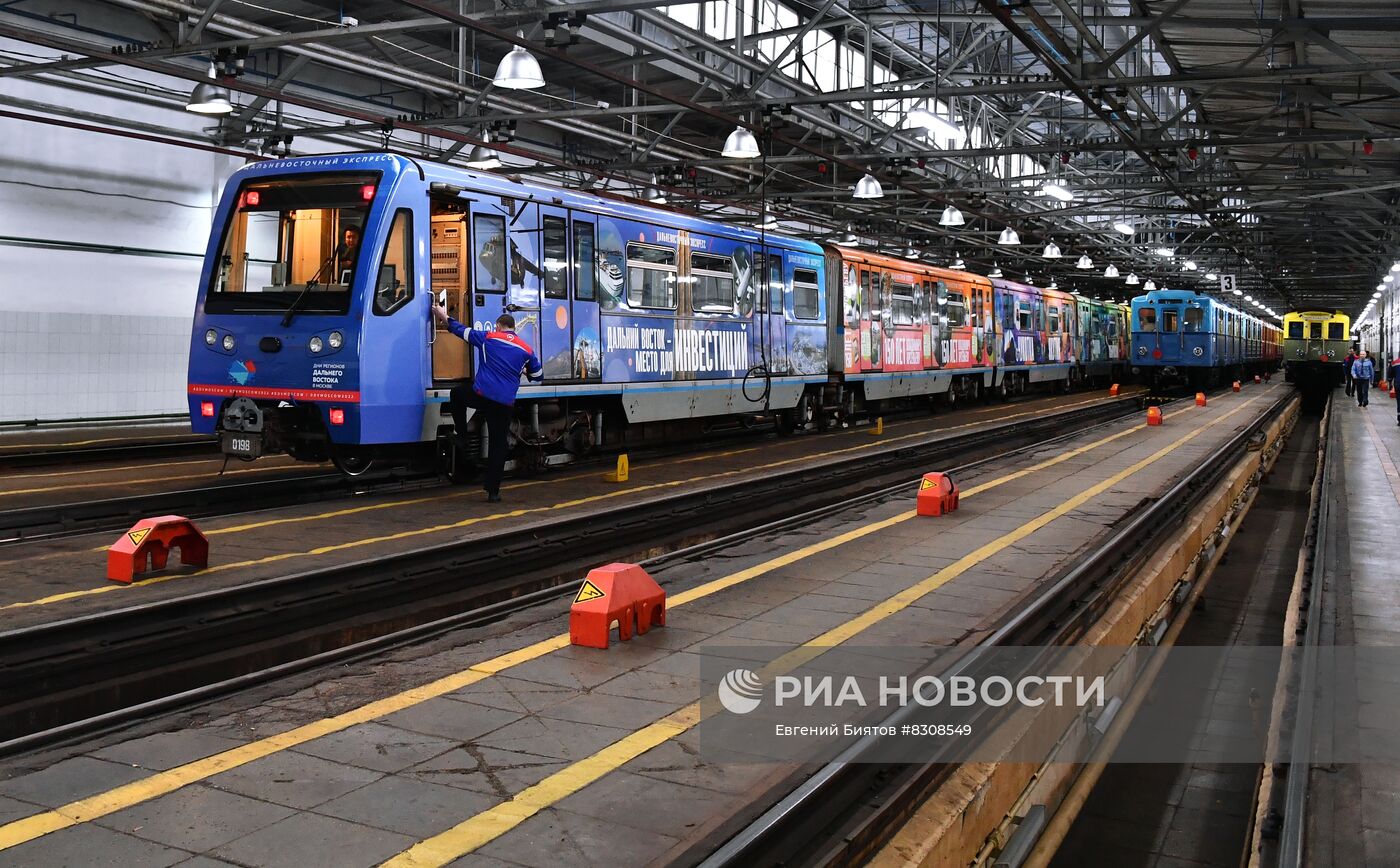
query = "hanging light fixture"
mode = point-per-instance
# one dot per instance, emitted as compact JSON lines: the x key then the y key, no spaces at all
{"x":1395,"y":266}
{"x":849,"y":237}
{"x":1388,"y":278}
{"x":1124,"y":227}
{"x":741,"y":145}
{"x":209,"y":97}
{"x":1239,"y":292}
{"x":1165,"y":252}
{"x":1111,"y":270}
{"x":1084,"y":263}
{"x":1051,"y":251}
{"x":485,"y":157}
{"x":1189,"y":265}
{"x":1149,"y":286}
{"x":911,"y":252}
{"x":1009,"y":237}
{"x":654,"y":193}
{"x":1132,"y":279}
{"x":868,"y":188}
{"x":1030,"y":280}
{"x":1053,"y":284}
{"x":951,"y":217}
{"x":996,"y":271}
{"x":518,"y":70}
{"x":1211,"y":275}
{"x":958,"y":264}
{"x":767,"y":222}
{"x":1057,"y":190}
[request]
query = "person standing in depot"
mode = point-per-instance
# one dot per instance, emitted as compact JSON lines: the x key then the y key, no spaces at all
{"x":1364,"y":370}
{"x":1346,"y":371}
{"x":1392,"y":373}
{"x":501,"y":358}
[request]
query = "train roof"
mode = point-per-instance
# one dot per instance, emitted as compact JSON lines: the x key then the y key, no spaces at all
{"x":853,"y":254}
{"x":516,"y":187}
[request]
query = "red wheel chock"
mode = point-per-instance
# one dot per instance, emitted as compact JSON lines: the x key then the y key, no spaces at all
{"x":1154,"y":415}
{"x":621,"y":594}
{"x":1200,"y":399}
{"x":154,"y":538}
{"x":938,"y":493}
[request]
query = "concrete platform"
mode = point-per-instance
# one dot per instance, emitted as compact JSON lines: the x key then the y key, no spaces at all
{"x":1354,"y":810}
{"x":59,"y":578}
{"x":506,"y":745}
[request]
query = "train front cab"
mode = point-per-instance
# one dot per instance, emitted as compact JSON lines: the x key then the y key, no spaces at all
{"x":1315,"y":344}
{"x":311,"y":326}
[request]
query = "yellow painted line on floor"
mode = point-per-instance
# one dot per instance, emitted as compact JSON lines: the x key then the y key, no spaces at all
{"x":864,"y":445}
{"x":212,"y":474}
{"x":485,"y":827}
{"x":29,"y":828}
{"x":185,"y":438}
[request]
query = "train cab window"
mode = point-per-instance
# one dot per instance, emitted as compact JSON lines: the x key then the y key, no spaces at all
{"x":712,"y":283}
{"x":1169,"y":320}
{"x":489,"y":247}
{"x":394,"y":286}
{"x":1315,"y":331}
{"x":1295,"y":331}
{"x":1195,"y":318}
{"x":585,"y":262}
{"x":1335,"y":332}
{"x":556,"y":257}
{"x":651,"y":276}
{"x":806,"y":295}
{"x":292,"y":239}
{"x":1147,"y":319}
{"x":1024,"y":317}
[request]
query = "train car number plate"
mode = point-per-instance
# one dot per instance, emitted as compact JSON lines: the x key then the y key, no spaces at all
{"x":242,"y":445}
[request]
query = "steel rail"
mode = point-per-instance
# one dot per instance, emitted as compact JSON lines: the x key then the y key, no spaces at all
{"x":65,"y":672}
{"x":818,"y":811}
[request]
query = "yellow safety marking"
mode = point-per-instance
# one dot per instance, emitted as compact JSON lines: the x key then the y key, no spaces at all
{"x":27,"y":829}
{"x":186,"y":438}
{"x":118,"y":483}
{"x":589,"y":591}
{"x":925,"y":483}
{"x":137,"y":535}
{"x":483,"y":828}
{"x":464,"y":523}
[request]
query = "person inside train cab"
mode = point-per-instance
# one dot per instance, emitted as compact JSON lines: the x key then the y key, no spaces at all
{"x":346,"y":253}
{"x":1346,"y":371}
{"x":1364,"y":370}
{"x":501,"y":358}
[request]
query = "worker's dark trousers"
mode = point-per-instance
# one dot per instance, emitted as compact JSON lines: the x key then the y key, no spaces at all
{"x":497,"y":417}
{"x":1351,"y":385}
{"x":1363,"y":389}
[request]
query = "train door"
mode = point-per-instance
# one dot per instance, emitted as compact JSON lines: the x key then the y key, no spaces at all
{"x":1194,"y":334}
{"x":526,"y":271}
{"x":770,"y":320}
{"x":1169,"y":336}
{"x":452,"y":358}
{"x":583,"y":306}
{"x":556,"y":326}
{"x":488,"y":267}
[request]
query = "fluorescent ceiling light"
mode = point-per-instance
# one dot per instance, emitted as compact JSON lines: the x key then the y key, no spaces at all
{"x":1057,"y":190}
{"x":1124,"y":227}
{"x":1189,"y":265}
{"x":1165,"y":251}
{"x":1211,"y":275}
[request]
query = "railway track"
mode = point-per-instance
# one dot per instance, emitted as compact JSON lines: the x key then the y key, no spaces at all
{"x":70,"y":677}
{"x":177,"y":446}
{"x":848,"y":809}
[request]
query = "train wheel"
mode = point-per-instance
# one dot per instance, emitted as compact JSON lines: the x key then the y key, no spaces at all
{"x":352,"y":463}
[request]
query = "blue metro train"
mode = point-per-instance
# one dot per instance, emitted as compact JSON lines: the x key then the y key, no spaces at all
{"x":1181,"y":335}
{"x":312,"y":334}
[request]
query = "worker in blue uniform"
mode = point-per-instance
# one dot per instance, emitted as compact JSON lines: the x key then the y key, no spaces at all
{"x":1364,"y":370}
{"x":501,"y":358}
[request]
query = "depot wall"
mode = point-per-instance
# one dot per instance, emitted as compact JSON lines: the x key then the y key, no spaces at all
{"x":98,"y":334}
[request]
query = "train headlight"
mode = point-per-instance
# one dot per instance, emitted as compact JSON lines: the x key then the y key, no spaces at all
{"x":229,"y":343}
{"x":210,"y":337}
{"x":336,"y":339}
{"x":315,"y":344}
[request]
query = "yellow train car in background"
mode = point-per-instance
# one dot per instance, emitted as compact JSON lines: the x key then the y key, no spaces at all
{"x":1315,"y":342}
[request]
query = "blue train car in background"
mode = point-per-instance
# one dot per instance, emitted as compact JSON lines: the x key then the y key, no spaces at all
{"x":1184,"y":336}
{"x":313,"y":336}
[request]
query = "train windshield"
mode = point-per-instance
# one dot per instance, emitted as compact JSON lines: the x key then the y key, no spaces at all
{"x":292,"y":240}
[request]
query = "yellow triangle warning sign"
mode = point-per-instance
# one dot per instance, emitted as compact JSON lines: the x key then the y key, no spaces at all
{"x":589,"y":591}
{"x":137,"y":535}
{"x":926,"y":483}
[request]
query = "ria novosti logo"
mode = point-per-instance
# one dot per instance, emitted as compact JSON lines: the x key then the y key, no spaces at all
{"x":740,"y":691}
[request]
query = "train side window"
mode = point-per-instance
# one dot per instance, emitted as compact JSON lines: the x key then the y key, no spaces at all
{"x":712,"y":283}
{"x":1315,"y":331}
{"x":806,"y":296}
{"x":651,"y":276}
{"x":865,"y":307}
{"x":1147,"y":319}
{"x":903,"y":310}
{"x":585,"y":262}
{"x":1195,"y":318}
{"x":957,"y":309}
{"x":394,"y":286}
{"x":556,"y":257}
{"x":1054,"y":318}
{"x":1023,"y":316}
{"x":489,"y":245}
{"x":1335,"y":332}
